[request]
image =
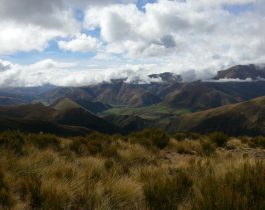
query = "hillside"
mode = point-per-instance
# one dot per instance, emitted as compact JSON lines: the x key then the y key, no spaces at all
{"x":236,"y":119}
{"x":65,"y":113}
{"x":200,"y":95}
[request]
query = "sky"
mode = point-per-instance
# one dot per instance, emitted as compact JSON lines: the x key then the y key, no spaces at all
{"x":82,"y":42}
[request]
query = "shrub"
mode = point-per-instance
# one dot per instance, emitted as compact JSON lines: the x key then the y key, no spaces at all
{"x":167,"y":193}
{"x":208,"y":147}
{"x":180,"y":136}
{"x":150,"y":137}
{"x":219,"y":138}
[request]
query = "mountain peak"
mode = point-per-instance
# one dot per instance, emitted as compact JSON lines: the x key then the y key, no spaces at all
{"x":65,"y":104}
{"x":167,"y":77}
{"x":242,"y":72}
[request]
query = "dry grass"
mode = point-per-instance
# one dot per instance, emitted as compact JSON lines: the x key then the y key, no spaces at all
{"x":127,"y":175}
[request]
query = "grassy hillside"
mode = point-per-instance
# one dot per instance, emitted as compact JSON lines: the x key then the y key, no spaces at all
{"x":61,"y":116}
{"x":148,"y":112}
{"x":236,"y":119}
{"x":143,"y":171}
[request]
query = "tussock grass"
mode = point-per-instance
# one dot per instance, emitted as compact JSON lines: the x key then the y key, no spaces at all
{"x":100,"y":172}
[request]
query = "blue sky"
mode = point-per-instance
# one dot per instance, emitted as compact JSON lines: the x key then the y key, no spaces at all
{"x":139,"y":37}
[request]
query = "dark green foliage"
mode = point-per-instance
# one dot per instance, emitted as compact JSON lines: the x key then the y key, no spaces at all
{"x":238,"y":189}
{"x":182,"y":136}
{"x":13,"y":141}
{"x":167,"y":193}
{"x":6,"y":200}
{"x":149,"y":137}
{"x":208,"y":147}
{"x":219,"y":138}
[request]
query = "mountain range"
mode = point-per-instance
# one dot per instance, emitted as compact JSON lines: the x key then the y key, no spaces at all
{"x":233,"y":97}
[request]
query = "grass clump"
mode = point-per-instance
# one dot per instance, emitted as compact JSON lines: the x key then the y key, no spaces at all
{"x":6,"y":198}
{"x":167,"y":193}
{"x":103,"y":172}
{"x":241,"y":188}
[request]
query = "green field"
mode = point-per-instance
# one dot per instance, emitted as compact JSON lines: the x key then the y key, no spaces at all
{"x":147,"y":112}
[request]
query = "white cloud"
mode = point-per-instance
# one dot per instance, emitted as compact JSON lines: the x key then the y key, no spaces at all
{"x":180,"y":36}
{"x":230,"y":80}
{"x":30,"y":24}
{"x":81,"y":43}
{"x":190,"y":33}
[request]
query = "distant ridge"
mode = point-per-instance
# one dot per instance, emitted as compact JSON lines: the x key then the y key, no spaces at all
{"x":236,"y":119}
{"x":242,"y":72}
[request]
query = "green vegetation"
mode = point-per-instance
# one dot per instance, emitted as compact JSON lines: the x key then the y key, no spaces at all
{"x":145,"y":170}
{"x":147,"y":112}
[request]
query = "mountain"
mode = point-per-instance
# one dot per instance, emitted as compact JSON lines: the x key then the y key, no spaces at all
{"x":242,"y":72}
{"x":71,"y":113}
{"x":167,"y":77}
{"x":125,"y":94}
{"x":236,"y":119}
{"x":11,"y":101}
{"x":129,"y":123}
{"x":64,"y":114}
{"x":201,"y":95}
{"x":74,"y":93}
{"x":170,"y":92}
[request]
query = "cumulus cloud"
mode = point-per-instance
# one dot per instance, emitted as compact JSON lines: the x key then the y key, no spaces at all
{"x":198,"y":37}
{"x":230,"y":80}
{"x":30,"y":24}
{"x":65,"y":74}
{"x":81,"y":43}
{"x":180,"y":29}
{"x":4,"y":65}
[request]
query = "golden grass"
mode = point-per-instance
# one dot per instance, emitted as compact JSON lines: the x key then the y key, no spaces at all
{"x":135,"y":177}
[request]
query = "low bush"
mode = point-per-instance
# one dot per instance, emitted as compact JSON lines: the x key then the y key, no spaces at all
{"x":150,"y":137}
{"x":208,"y":148}
{"x":219,"y":138}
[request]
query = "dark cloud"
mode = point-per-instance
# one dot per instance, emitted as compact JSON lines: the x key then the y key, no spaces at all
{"x":168,"y":41}
{"x":4,"y":67}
